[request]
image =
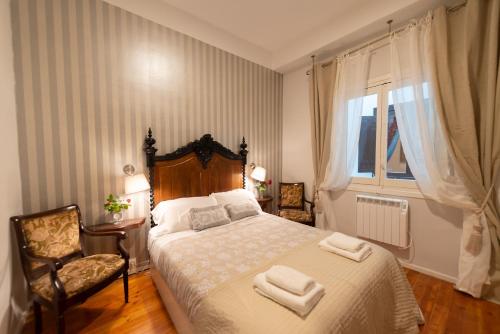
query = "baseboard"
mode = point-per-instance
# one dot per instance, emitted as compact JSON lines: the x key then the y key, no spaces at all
{"x":429,"y":272}
{"x":138,"y":268}
{"x":493,"y":300}
{"x":142,"y":267}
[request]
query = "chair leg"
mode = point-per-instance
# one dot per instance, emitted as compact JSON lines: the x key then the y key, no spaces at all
{"x":60,"y":323}
{"x":125,"y":285}
{"x":37,"y":309}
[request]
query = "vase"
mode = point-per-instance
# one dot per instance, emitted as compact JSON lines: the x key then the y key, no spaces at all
{"x":117,"y":217}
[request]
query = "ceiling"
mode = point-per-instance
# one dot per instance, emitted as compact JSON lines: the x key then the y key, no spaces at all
{"x":281,"y":34}
{"x":269,"y":24}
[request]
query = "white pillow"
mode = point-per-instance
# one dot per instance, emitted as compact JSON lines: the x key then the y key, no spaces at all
{"x":169,"y":212}
{"x":184,"y":221}
{"x":236,"y":196}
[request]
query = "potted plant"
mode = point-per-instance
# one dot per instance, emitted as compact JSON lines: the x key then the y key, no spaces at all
{"x":114,"y":206}
{"x":261,"y":187}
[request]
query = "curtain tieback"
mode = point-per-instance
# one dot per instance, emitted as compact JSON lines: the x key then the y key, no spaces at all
{"x":475,"y":244}
{"x":485,"y":201}
{"x":316,"y":199}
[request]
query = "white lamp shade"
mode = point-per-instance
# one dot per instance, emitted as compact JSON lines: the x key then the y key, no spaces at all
{"x":259,"y":174}
{"x":136,"y":183}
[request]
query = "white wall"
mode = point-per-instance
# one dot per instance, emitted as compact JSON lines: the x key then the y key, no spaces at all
{"x":12,"y":295}
{"x":297,"y":154}
{"x":436,"y":229}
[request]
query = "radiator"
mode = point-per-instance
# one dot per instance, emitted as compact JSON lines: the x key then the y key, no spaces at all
{"x":382,"y":219}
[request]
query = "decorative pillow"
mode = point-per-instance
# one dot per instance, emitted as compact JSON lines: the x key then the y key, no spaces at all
{"x":236,"y":196}
{"x":203,"y":218}
{"x":240,"y":211}
{"x":169,"y":212}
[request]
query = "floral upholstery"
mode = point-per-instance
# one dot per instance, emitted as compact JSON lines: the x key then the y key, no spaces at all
{"x":291,"y":195}
{"x":80,"y":275}
{"x":296,"y":215}
{"x":54,"y":235}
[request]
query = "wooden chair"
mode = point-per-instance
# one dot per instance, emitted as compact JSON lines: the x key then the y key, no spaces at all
{"x":292,"y":202}
{"x":59,"y":272}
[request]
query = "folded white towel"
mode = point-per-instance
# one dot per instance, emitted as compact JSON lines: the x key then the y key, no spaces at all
{"x":359,"y":256}
{"x":301,"y":305}
{"x":290,"y":279}
{"x":343,"y":241}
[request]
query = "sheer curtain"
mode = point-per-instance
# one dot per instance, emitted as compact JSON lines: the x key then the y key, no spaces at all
{"x":351,"y":81}
{"x":427,"y":148}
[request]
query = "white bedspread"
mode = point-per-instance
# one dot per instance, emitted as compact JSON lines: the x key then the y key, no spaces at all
{"x":211,"y":273}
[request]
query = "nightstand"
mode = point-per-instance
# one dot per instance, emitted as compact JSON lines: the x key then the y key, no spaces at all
{"x":266,"y":203}
{"x":125,"y":225}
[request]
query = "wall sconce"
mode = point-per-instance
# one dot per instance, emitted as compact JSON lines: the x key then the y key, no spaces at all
{"x":259,"y":174}
{"x":134,"y":183}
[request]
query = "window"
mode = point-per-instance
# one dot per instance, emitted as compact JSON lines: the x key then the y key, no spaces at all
{"x":397,"y":167}
{"x":367,"y":148}
{"x":381,"y":160}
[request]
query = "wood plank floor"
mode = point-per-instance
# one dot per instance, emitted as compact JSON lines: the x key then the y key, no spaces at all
{"x":445,"y":310}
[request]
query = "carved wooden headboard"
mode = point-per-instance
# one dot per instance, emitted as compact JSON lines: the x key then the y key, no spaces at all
{"x":199,"y":168}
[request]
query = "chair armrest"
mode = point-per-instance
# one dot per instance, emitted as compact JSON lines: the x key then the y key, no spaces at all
{"x":311,"y":205}
{"x":54,"y":264}
{"x":119,"y":235}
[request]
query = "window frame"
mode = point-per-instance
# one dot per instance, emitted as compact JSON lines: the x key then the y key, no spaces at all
{"x":380,"y":184}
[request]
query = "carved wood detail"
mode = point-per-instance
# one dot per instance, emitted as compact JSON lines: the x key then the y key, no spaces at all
{"x":199,"y":168}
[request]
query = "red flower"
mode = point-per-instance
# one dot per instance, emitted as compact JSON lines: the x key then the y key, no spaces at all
{"x":128,"y":200}
{"x":270,"y":182}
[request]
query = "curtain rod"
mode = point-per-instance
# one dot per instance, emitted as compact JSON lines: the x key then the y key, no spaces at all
{"x":381,"y":38}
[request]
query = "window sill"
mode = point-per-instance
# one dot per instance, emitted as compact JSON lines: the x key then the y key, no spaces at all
{"x":391,"y":191}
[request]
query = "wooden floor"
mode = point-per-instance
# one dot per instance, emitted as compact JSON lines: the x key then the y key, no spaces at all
{"x":449,"y":311}
{"x":106,"y":312}
{"x":445,"y":310}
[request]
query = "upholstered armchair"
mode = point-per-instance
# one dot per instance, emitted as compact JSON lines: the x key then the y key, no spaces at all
{"x":292,"y":204}
{"x":59,"y":272}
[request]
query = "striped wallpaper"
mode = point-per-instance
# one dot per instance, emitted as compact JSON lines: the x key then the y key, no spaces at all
{"x":91,"y":78}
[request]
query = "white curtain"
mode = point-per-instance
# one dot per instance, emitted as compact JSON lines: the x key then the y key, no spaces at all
{"x":351,"y":81}
{"x":426,"y":148}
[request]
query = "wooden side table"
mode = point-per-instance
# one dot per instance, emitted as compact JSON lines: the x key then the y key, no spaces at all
{"x":124,"y":225}
{"x":266,"y":203}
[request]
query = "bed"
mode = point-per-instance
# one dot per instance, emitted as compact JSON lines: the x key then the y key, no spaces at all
{"x":205,"y":278}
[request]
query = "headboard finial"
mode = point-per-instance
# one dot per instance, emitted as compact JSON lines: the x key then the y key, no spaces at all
{"x":243,"y":150}
{"x":149,"y":148}
{"x":243,"y":153}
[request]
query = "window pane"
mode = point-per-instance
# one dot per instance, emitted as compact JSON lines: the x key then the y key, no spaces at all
{"x":397,"y":167}
{"x":367,"y":138}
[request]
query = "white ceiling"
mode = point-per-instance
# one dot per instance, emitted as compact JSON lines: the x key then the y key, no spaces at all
{"x":280,"y":34}
{"x":269,"y":24}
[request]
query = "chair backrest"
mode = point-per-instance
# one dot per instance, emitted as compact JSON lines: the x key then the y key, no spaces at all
{"x":292,"y":195}
{"x":54,"y":233}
